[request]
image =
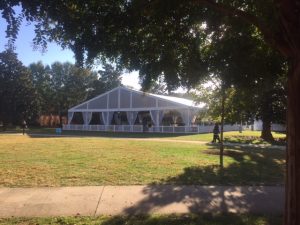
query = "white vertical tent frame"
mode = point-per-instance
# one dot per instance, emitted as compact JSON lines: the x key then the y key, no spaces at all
{"x":123,"y":99}
{"x":70,"y":117}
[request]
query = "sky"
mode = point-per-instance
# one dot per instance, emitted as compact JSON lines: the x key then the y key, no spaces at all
{"x":27,"y":54}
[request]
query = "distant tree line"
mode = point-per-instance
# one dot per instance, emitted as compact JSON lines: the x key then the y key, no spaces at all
{"x":26,"y":93}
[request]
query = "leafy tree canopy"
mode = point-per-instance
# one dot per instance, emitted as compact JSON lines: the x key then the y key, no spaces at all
{"x":154,"y":37}
{"x":60,"y":85}
{"x":17,"y":94}
{"x":69,"y":85}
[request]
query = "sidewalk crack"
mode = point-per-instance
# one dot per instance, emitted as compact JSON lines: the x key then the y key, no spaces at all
{"x":99,"y":200}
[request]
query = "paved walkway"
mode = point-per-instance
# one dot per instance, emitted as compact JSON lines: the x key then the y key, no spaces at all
{"x":160,"y":199}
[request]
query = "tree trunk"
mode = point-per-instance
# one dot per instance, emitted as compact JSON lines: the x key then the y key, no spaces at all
{"x":266,"y":111}
{"x":266,"y":130}
{"x":222,"y":129}
{"x":292,"y":195}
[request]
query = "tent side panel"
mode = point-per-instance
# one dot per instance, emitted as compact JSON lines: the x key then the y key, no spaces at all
{"x":142,"y":101}
{"x":113,"y":99}
{"x":99,"y":103}
{"x":124,"y":99}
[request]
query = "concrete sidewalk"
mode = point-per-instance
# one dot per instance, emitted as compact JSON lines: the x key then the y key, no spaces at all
{"x":160,"y":199}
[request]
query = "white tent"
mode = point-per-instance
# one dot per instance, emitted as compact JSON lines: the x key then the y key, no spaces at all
{"x":131,"y":103}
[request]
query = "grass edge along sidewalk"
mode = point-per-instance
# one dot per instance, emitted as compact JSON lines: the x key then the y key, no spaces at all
{"x":175,"y":219}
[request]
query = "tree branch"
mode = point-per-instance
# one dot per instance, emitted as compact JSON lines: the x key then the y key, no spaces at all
{"x":270,"y":37}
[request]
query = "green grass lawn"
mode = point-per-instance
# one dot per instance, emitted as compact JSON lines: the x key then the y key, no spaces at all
{"x":246,"y":137}
{"x":206,"y":219}
{"x":69,"y":161}
{"x":253,"y":137}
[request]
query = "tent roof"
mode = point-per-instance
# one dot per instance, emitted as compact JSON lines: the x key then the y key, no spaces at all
{"x":172,"y":101}
{"x":182,"y":101}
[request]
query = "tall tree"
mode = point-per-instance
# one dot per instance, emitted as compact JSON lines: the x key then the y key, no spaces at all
{"x":60,"y":86}
{"x":270,"y":99}
{"x":163,"y":37}
{"x":41,"y":78}
{"x":109,"y":78}
{"x":69,"y":85}
{"x":17,"y":94}
{"x":253,"y":67}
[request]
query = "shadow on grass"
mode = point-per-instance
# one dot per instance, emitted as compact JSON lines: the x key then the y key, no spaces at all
{"x":249,"y":166}
{"x":243,"y":166}
{"x":34,"y":134}
{"x":254,"y":140}
{"x":204,"y":219}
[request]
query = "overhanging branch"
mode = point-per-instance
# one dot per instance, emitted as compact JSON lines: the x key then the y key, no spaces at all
{"x":269,"y":36}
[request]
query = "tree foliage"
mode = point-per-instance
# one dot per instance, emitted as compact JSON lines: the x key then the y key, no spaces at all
{"x":68,"y":86}
{"x":41,"y":78}
{"x":17,"y":93}
{"x":236,"y":104}
{"x":243,"y":104}
{"x":109,"y":78}
{"x":41,"y":89}
{"x":60,"y":86}
{"x":159,"y":87}
{"x":255,"y":72}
